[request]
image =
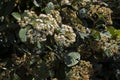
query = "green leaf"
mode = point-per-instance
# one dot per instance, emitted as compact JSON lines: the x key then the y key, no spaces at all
{"x":111,"y":30}
{"x":22,"y":34}
{"x":50,"y":6}
{"x":108,"y":52}
{"x":16,"y":15}
{"x":38,"y":44}
{"x":36,"y":3}
{"x":117,"y":33}
{"x":82,"y":35}
{"x":105,"y":34}
{"x":95,"y":34}
{"x":72,"y":58}
{"x":49,"y":48}
{"x":47,"y":11}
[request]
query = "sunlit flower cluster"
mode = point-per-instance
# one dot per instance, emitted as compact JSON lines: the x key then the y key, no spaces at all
{"x":64,"y":2}
{"x":102,"y":12}
{"x":56,"y":15}
{"x":27,"y":18}
{"x":46,"y":24}
{"x":66,"y":36}
{"x":40,"y":26}
{"x":82,"y":71}
{"x":34,"y":36}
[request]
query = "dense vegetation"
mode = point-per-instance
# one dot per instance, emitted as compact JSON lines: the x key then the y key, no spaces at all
{"x":59,"y":40}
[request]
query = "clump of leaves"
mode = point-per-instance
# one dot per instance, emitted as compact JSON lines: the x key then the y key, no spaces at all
{"x":68,"y":35}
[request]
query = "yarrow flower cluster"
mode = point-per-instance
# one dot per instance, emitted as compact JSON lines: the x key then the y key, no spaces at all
{"x":82,"y":71}
{"x":46,"y":24}
{"x":66,"y":36}
{"x":57,"y":16}
{"x":27,"y":18}
{"x":101,"y":11}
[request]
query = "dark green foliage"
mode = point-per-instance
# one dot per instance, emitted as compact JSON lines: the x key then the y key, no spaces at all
{"x":59,"y":40}
{"x":6,"y":7}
